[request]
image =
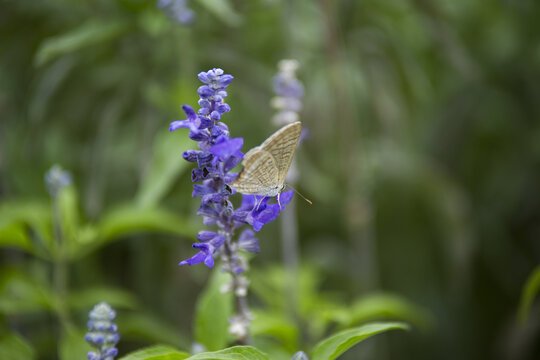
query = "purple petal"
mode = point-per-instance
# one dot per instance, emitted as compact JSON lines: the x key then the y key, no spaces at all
{"x":226,"y":149}
{"x":196,"y":259}
{"x":200,"y":190}
{"x":284,"y":198}
{"x":248,"y":242}
{"x":190,"y":155}
{"x":189,"y":112}
{"x":206,"y":235}
{"x":175,"y":125}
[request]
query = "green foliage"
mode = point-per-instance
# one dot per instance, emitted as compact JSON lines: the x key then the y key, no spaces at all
{"x":73,"y":346}
{"x":529,"y":292}
{"x":223,"y":10}
{"x":144,"y":327}
{"x":277,"y":326}
{"x":13,"y":347}
{"x":422,"y":162}
{"x":91,"y":33}
{"x":234,"y":353}
{"x":157,"y":352}
{"x":381,"y":306}
{"x":165,"y":168}
{"x":337,"y":344}
{"x":214,"y":308}
{"x":21,"y":293}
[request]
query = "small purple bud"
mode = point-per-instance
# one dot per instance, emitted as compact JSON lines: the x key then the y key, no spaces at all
{"x":203,"y":77}
{"x":111,"y":352}
{"x":204,"y":159}
{"x":190,"y":155}
{"x":215,"y":115}
{"x":198,"y":135}
{"x":207,"y":210}
{"x":205,"y":91}
{"x":225,"y":80}
{"x":205,"y":235}
{"x":205,"y":122}
{"x":223,"y":108}
{"x":199,"y":174}
{"x":200,"y":190}
{"x":204,"y":103}
{"x":222,"y":93}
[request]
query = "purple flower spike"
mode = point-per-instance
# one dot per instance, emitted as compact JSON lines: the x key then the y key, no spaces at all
{"x":217,"y":155}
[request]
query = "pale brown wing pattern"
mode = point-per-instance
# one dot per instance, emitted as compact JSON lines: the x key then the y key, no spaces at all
{"x":260,"y":174}
{"x":282,"y":145}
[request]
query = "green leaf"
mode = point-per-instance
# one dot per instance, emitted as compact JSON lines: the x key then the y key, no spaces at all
{"x":234,"y":353}
{"x":17,"y":216}
{"x":14,"y":235}
{"x":531,"y":288}
{"x":337,"y":344}
{"x":158,"y":352}
{"x":14,"y":347}
{"x":73,"y":346}
{"x":381,"y":306}
{"x":165,"y":168}
{"x":140,"y":326}
{"x":223,"y":10}
{"x":20,"y":293}
{"x":214,"y":309}
{"x":277,"y":326}
{"x":92,"y":32}
{"x":128,"y":220}
{"x":87,"y":298}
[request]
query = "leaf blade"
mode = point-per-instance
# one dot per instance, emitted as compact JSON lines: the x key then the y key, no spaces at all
{"x":337,"y":344}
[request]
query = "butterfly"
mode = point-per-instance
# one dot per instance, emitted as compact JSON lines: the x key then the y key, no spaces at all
{"x":266,"y":165}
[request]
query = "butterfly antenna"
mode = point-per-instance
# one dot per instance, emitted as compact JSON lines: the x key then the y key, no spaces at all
{"x":302,"y":196}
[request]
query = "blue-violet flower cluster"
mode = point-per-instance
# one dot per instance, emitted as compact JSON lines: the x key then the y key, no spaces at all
{"x":218,"y":154}
{"x":289,"y":93}
{"x":56,"y":179}
{"x":177,"y":10}
{"x":102,"y":333}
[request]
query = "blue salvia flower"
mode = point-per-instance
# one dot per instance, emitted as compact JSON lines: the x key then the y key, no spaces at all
{"x":218,"y":154}
{"x":56,"y":179}
{"x":177,"y":10}
{"x":102,"y":333}
{"x":289,"y":92}
{"x":300,"y":356}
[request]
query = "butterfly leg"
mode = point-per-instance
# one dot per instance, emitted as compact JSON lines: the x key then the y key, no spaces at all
{"x":259,"y":203}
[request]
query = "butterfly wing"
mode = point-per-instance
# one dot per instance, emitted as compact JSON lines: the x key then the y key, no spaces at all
{"x":282,"y":145}
{"x":260,"y":174}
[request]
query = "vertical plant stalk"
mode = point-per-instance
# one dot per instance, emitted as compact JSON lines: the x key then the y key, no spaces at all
{"x":218,"y":154}
{"x":55,"y":180}
{"x":239,"y":290}
{"x":60,"y":266}
{"x":287,"y":102}
{"x":291,"y":257}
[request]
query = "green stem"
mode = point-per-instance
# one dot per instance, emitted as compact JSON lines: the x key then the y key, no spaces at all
{"x":60,"y":268}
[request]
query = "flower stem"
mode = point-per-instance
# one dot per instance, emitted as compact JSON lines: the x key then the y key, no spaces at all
{"x":60,"y":270}
{"x":289,"y":239}
{"x":239,"y":290}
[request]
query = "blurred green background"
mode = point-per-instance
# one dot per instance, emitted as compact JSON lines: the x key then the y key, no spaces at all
{"x":422,"y":161}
